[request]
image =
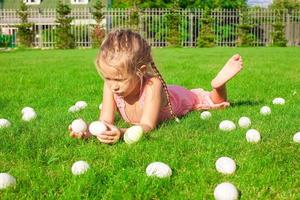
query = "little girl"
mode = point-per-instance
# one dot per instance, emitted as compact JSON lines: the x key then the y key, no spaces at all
{"x":134,"y":87}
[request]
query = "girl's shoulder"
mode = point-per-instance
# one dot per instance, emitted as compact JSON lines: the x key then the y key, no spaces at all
{"x":153,"y":87}
{"x":153,"y":83}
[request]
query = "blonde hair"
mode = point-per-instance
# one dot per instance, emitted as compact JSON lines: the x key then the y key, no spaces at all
{"x":127,"y":49}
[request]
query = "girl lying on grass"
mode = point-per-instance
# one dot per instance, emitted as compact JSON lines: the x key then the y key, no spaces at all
{"x":134,"y":87}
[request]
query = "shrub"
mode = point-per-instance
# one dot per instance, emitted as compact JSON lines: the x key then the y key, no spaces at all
{"x":173,"y":20}
{"x":25,"y":33}
{"x":134,"y":19}
{"x":64,"y":37}
{"x":245,"y":38}
{"x":206,"y":36}
{"x":98,"y":31}
{"x":278,"y":35}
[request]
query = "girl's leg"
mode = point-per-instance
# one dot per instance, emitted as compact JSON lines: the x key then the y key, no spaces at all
{"x":231,"y":68}
{"x":219,"y":95}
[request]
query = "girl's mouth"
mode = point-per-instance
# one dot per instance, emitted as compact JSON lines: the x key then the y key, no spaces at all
{"x":119,"y":93}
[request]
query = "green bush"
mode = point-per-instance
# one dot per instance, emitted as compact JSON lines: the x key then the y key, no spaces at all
{"x":134,"y":19}
{"x":98,"y":31}
{"x":278,"y":35}
{"x":64,"y":38}
{"x":245,"y":37}
{"x":206,"y":36}
{"x":25,"y":33}
{"x":98,"y":34}
{"x":173,"y":21}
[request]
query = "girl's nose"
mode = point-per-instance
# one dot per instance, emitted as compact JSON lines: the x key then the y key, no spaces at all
{"x":115,"y":87}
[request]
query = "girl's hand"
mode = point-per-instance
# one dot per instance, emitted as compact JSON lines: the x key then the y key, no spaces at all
{"x":111,"y":136}
{"x":81,"y":135}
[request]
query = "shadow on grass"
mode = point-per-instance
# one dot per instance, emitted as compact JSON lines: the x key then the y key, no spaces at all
{"x":245,"y":103}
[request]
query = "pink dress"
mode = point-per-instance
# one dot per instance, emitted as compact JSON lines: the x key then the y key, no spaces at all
{"x":182,"y":101}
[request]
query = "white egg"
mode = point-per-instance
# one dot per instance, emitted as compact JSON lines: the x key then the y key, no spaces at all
{"x":226,"y":191}
{"x":253,"y":136}
{"x":80,"y":167}
{"x":205,"y":115}
{"x":28,"y":116}
{"x":278,"y":101}
{"x":97,"y":128}
{"x":133,"y":134}
{"x":81,"y":104}
{"x":6,"y":180}
{"x":79,"y":126}
{"x":225,"y":165}
{"x":296,"y":137}
{"x":244,"y":122}
{"x":27,"y":109}
{"x":227,"y":125}
{"x":158,"y":169}
{"x":4,"y":123}
{"x":73,"y":109}
{"x":265,"y":110}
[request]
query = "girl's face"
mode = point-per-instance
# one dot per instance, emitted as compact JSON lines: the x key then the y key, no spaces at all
{"x":120,"y":82}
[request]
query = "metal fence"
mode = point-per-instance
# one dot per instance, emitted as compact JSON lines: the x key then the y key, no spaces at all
{"x":152,"y":25}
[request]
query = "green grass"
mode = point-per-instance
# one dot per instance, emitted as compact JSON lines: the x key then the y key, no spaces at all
{"x":40,"y":153}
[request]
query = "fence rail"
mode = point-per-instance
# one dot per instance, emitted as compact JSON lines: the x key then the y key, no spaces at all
{"x":153,"y":26}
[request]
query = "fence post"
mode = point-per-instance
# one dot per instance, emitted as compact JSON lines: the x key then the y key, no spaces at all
{"x":40,"y":39}
{"x":191,"y":29}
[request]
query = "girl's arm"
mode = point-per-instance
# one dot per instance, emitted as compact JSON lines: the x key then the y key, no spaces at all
{"x":108,"y":106}
{"x":152,"y":105}
{"x":149,"y":119}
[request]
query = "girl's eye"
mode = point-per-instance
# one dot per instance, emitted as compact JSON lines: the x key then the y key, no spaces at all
{"x":120,"y":80}
{"x":117,"y":80}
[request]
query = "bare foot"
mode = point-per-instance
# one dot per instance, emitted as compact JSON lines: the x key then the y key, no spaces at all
{"x":230,"y":69}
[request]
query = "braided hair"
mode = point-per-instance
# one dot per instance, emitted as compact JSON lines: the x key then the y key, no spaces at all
{"x":129,"y":50}
{"x":165,"y":89}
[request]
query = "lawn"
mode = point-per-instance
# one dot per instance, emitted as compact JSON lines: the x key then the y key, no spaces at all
{"x":40,"y":153}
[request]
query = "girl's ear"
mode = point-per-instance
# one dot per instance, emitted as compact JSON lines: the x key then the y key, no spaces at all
{"x":142,"y":70}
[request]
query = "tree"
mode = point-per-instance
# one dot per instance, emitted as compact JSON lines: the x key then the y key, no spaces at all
{"x":64,"y":38}
{"x":98,"y":31}
{"x":142,"y":3}
{"x":245,"y":38}
{"x":278,"y":33}
{"x":229,"y":4}
{"x":285,"y":4}
{"x":211,"y":4}
{"x":134,"y":18}
{"x":25,"y":33}
{"x":206,"y":36}
{"x":173,"y":21}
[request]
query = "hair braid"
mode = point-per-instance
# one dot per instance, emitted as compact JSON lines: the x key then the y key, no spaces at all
{"x":166,"y":90}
